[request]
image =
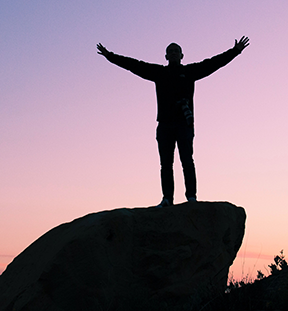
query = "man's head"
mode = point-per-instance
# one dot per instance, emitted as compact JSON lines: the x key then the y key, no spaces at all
{"x":174,"y":53}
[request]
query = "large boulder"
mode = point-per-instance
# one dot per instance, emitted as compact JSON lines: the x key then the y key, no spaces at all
{"x":127,"y":259}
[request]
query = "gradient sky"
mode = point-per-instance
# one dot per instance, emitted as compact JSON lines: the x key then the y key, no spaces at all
{"x":77,"y":134}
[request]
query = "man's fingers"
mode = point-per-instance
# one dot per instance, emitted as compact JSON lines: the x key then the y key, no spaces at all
{"x":100,"y":46}
{"x":244,"y":40}
{"x":102,"y":50}
{"x":242,"y":44}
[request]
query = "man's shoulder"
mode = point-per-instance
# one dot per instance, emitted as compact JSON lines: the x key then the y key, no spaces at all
{"x":190,"y":65}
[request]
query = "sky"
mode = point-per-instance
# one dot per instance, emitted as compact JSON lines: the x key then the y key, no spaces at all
{"x":77,"y":133}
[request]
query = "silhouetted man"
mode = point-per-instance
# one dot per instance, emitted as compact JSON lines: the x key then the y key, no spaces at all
{"x":175,"y":90}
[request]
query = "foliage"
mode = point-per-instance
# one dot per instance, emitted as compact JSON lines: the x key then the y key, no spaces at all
{"x":279,"y":264}
{"x":264,"y":293}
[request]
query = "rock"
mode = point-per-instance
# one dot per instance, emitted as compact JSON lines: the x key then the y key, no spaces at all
{"x":127,"y":259}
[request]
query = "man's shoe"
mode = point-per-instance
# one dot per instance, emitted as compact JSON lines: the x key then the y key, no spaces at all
{"x":192,"y":200}
{"x":164,"y":202}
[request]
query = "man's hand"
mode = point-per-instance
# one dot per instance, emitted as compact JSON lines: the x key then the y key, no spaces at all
{"x":242,"y":44}
{"x":102,"y":50}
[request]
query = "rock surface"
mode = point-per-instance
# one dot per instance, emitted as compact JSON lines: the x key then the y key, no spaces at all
{"x":127,"y":259}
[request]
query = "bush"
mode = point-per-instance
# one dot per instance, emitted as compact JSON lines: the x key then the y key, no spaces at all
{"x":264,"y":293}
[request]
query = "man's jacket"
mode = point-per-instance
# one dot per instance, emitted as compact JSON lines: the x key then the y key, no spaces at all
{"x":173,"y":82}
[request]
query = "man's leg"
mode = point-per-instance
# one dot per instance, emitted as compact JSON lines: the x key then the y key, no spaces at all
{"x":185,"y":147}
{"x":166,"y":146}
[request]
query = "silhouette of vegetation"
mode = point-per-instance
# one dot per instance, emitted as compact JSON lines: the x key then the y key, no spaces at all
{"x":264,"y":293}
{"x":279,"y":264}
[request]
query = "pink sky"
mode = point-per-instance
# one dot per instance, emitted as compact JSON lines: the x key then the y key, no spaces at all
{"x":78,"y":133}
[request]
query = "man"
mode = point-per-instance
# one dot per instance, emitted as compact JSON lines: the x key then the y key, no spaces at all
{"x":175,"y":89}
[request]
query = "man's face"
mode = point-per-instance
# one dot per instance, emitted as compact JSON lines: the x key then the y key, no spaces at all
{"x":174,"y":54}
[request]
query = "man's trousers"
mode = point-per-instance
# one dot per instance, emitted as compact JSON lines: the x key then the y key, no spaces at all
{"x":167,"y":135}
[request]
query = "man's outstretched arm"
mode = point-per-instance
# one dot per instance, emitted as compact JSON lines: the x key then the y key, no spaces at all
{"x":242,"y":44}
{"x":144,"y":70}
{"x":208,"y":66}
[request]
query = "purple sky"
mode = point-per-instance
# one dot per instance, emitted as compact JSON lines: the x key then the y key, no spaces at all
{"x":78,"y":133}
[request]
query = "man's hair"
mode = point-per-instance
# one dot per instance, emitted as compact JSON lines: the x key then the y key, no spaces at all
{"x":171,"y":44}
